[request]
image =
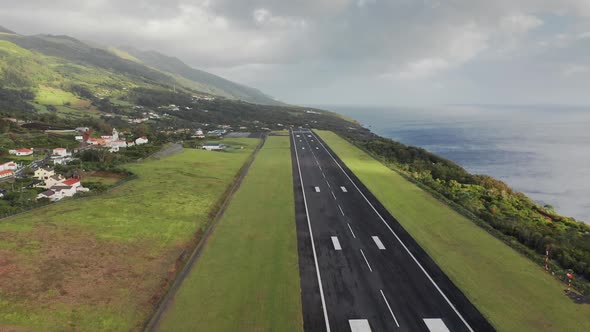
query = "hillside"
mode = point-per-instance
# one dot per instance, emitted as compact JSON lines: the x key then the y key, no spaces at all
{"x":139,"y":67}
{"x":4,"y":30}
{"x":198,"y":79}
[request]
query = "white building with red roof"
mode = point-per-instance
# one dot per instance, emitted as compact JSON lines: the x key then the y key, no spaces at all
{"x":21,"y":152}
{"x":6,"y":173}
{"x":11,"y":165}
{"x":62,"y":152}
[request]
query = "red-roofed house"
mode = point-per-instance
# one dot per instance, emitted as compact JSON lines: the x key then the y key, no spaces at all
{"x":72,"y":182}
{"x":21,"y":152}
{"x":5,"y":173}
{"x":9,"y":166}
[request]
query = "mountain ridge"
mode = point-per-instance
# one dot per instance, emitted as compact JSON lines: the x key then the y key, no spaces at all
{"x":148,"y":66}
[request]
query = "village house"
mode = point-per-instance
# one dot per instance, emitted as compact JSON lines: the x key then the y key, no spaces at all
{"x":5,"y":174}
{"x":21,"y":152}
{"x":61,"y":160}
{"x":66,"y":188}
{"x":44,"y":173}
{"x":141,"y":140}
{"x":51,"y":181}
{"x":11,"y":165}
{"x":61,"y":152}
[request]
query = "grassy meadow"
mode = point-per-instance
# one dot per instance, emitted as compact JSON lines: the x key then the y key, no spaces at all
{"x":97,"y":263}
{"x":513,"y":293}
{"x":247,"y":278}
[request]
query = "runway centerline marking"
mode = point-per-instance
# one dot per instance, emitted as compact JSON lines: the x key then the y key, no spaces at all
{"x":317,"y":189}
{"x":351,"y":232}
{"x":340,"y":209}
{"x":315,"y":257}
{"x":389,"y":307}
{"x":359,"y":325}
{"x":399,"y":240}
{"x":343,"y":189}
{"x":378,"y":243}
{"x":366,"y":261}
{"x":435,"y":325}
{"x":336,"y":243}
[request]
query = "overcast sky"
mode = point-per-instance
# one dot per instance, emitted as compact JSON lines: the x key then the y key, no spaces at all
{"x":386,"y":52}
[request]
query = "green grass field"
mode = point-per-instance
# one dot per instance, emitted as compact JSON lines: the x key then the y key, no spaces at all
{"x":513,"y":293}
{"x":95,"y":264}
{"x":247,"y":278}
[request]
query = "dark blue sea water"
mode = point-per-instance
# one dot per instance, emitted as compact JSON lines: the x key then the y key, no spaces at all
{"x":543,"y":151}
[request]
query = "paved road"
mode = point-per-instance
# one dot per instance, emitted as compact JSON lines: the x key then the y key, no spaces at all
{"x":360,"y":271}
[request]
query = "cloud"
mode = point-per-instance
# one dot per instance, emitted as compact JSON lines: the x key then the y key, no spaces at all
{"x":350,"y":45}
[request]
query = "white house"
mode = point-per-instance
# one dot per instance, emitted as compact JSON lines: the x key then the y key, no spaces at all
{"x":61,"y":160}
{"x":62,"y":152}
{"x":11,"y":165}
{"x":49,"y":194}
{"x":21,"y":152}
{"x":44,"y":173}
{"x":73,"y":182}
{"x":141,"y":140}
{"x":67,"y":188}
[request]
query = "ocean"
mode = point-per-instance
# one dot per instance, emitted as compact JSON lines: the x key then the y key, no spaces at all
{"x":542,"y":151}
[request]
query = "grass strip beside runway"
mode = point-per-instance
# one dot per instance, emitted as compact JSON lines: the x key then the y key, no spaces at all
{"x":512,"y":292}
{"x":247,"y":278}
{"x":96,"y":263}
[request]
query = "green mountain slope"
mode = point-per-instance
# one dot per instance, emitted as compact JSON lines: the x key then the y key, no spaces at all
{"x":4,"y":30}
{"x":139,"y":67}
{"x":198,"y":79}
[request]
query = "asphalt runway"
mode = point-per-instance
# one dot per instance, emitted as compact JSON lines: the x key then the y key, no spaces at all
{"x":360,"y":270}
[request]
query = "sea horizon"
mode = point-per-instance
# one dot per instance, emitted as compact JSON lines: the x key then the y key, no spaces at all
{"x":540,"y":150}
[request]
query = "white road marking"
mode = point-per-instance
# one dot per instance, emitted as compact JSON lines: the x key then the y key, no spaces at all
{"x":359,"y":325}
{"x":315,"y":257}
{"x":366,"y":261}
{"x":324,"y":175}
{"x":333,"y":194}
{"x":317,"y":189}
{"x":328,"y":183}
{"x":351,"y":232}
{"x":340,"y":208}
{"x":344,"y":189}
{"x":400,"y":241}
{"x":388,"y":307}
{"x":378,"y":243}
{"x":336,"y":243}
{"x":435,"y":325}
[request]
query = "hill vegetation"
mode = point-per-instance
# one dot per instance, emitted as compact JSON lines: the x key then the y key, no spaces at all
{"x":198,"y":79}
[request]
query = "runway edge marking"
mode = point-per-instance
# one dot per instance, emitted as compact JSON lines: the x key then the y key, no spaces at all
{"x":397,"y":237}
{"x":315,"y":257}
